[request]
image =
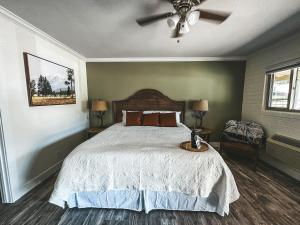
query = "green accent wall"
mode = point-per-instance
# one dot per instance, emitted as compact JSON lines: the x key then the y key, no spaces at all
{"x":220,"y":82}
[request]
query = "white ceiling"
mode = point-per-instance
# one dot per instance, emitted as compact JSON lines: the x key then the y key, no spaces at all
{"x":107,"y":28}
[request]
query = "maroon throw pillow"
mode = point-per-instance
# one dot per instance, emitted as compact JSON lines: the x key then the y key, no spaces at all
{"x":167,"y":120}
{"x":134,"y":118}
{"x":151,"y":119}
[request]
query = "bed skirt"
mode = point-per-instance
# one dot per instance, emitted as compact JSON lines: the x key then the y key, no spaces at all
{"x":145,"y":200}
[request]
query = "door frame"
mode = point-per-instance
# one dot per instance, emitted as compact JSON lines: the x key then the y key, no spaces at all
{"x":5,"y":185}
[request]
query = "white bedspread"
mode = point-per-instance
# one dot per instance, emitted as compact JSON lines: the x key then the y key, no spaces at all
{"x":144,"y":158}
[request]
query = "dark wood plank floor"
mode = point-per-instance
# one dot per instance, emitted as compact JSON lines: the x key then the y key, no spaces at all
{"x":267,"y":197}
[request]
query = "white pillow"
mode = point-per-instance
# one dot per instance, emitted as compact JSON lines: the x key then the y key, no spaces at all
{"x":124,"y":115}
{"x":157,"y":111}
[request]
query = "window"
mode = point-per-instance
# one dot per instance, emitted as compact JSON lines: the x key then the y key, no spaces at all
{"x":283,"y":91}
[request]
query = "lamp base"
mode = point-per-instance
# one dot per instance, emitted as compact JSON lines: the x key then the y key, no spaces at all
{"x":100,"y":116}
{"x":199,"y":115}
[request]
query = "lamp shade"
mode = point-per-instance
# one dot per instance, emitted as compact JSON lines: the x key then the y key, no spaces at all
{"x":201,"y":105}
{"x":184,"y":28}
{"x":193,"y":17}
{"x":99,"y":106}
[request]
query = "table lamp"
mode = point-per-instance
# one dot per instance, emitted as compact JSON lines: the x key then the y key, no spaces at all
{"x":200,"y":108}
{"x":99,"y":107}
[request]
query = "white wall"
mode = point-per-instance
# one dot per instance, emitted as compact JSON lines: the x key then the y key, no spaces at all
{"x":253,"y":101}
{"x":37,"y":138}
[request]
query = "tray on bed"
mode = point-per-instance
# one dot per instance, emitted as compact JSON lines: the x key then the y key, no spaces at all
{"x":187,"y":145}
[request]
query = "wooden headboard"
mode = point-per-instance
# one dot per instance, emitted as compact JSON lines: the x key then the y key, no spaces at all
{"x":147,"y":99}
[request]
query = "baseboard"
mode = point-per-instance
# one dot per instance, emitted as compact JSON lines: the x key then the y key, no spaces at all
{"x":292,"y":172}
{"x":38,"y":179}
{"x":22,"y":188}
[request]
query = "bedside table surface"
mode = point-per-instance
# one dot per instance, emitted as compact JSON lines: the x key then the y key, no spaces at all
{"x":96,"y":129}
{"x":204,"y":133}
{"x":203,"y":130}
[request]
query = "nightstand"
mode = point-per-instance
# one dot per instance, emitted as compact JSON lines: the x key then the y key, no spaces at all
{"x":204,"y":132}
{"x":94,"y":130}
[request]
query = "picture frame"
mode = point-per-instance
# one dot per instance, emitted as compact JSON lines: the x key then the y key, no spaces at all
{"x":48,"y":83}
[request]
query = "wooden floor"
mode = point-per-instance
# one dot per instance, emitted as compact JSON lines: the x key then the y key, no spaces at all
{"x":267,"y":197}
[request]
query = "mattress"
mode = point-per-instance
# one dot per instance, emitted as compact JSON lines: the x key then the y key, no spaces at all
{"x":145,"y":162}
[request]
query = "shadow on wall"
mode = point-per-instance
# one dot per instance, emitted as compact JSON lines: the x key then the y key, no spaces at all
{"x":281,"y":31}
{"x":52,"y":155}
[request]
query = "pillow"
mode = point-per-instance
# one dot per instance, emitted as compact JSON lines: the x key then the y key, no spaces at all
{"x":123,"y":116}
{"x":177,"y":114}
{"x":151,"y":119}
{"x":167,"y":119}
{"x":134,"y":118}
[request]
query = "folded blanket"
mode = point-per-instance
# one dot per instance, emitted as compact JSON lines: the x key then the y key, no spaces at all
{"x":243,"y":131}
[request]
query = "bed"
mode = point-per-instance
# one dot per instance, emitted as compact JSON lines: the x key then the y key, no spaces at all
{"x":143,"y":168}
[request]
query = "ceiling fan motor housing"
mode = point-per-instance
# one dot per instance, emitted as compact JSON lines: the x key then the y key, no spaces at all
{"x":182,"y":6}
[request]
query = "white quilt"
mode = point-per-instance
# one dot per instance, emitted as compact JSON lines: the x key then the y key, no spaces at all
{"x":144,"y":158}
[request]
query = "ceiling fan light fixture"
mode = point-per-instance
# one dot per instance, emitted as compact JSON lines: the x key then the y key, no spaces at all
{"x":193,"y":17}
{"x":172,"y":21}
{"x":184,"y":16}
{"x":184,"y":28}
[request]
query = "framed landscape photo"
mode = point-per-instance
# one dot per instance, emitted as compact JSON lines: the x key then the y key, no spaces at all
{"x":48,"y":83}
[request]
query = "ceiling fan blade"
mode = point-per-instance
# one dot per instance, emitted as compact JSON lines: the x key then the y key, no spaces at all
{"x":154,"y":18}
{"x":216,"y":16}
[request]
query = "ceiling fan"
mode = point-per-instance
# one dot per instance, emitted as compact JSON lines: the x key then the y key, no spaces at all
{"x":186,"y":14}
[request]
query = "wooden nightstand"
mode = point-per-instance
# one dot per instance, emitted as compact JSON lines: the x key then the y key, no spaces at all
{"x":204,"y":133}
{"x":95,"y":130}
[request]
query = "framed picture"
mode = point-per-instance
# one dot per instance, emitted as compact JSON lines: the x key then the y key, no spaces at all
{"x":48,"y":83}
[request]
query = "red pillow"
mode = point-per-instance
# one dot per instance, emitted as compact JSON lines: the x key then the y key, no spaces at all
{"x":167,"y":119}
{"x":151,"y":119}
{"x":134,"y":118}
